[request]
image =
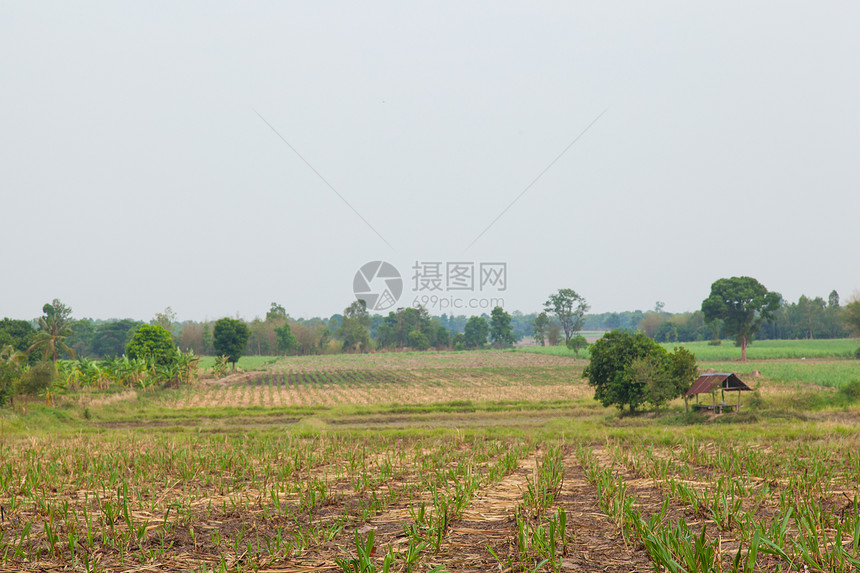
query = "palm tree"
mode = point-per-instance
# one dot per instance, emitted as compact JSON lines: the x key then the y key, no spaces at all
{"x":54,"y":328}
{"x":13,"y":364}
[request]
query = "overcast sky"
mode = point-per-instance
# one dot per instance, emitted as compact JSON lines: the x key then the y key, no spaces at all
{"x":136,"y":173}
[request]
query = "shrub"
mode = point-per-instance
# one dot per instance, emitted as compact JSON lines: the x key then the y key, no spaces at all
{"x":153,"y":343}
{"x":38,"y":378}
{"x":850,"y":392}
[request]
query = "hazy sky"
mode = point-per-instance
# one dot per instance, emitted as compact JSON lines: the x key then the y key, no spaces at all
{"x":135,"y":173}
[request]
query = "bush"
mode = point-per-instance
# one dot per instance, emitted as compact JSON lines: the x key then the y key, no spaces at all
{"x":38,"y":378}
{"x":857,"y":354}
{"x":850,"y":392}
{"x":152,"y":343}
{"x":418,"y":340}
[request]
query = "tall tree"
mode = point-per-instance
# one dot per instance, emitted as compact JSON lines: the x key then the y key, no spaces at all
{"x":286,"y":340}
{"x":355,"y":327}
{"x":540,"y":328}
{"x":811,"y":311}
{"x":501,"y":332}
{"x":165,"y":319}
{"x":277,"y":313}
{"x":54,"y":328}
{"x":230,"y":337}
{"x":475,"y":332}
{"x":742,"y":303}
{"x":569,"y":309}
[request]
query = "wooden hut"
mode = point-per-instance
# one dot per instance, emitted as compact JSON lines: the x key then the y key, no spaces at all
{"x":709,"y":384}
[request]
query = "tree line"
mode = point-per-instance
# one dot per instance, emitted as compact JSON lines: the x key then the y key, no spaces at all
{"x":565,"y":313}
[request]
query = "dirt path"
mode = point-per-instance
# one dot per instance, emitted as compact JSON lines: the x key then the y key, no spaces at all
{"x":597,"y":544}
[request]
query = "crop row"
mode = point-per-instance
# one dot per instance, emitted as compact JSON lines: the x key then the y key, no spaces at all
{"x":493,"y":375}
{"x":235,"y":502}
{"x":795,"y":506}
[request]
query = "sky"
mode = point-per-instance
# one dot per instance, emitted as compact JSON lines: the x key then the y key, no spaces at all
{"x":216,"y":157}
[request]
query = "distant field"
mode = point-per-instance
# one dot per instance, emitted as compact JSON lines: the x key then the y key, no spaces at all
{"x":392,"y":360}
{"x":760,"y":350}
{"x":829,"y":373}
{"x":773,"y":349}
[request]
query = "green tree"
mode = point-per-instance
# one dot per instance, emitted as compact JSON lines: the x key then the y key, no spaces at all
{"x":277,"y":313}
{"x":418,"y":340}
{"x":441,"y":337}
{"x":569,"y":309}
{"x":540,"y":328}
{"x":475,"y":333}
{"x":286,"y":340}
{"x":742,"y":304}
{"x":577,"y":343}
{"x":355,"y":327}
{"x":20,"y":333}
{"x":851,"y":316}
{"x":111,"y":338}
{"x":54,"y":328}
{"x":230,"y":338}
{"x":631,"y":369}
{"x":153,"y":343}
{"x":501,"y":332}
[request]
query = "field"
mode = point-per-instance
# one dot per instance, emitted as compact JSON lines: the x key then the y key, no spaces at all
{"x":726,"y":351}
{"x":461,"y":461}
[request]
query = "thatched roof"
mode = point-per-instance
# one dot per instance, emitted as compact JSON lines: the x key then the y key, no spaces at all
{"x":707,"y":383}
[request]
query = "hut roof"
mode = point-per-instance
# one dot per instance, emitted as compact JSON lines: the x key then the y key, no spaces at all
{"x":707,"y":383}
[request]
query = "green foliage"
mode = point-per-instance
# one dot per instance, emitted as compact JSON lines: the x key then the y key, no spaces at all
{"x":540,"y":328}
{"x":850,"y":392}
{"x":631,"y":369}
{"x":851,"y":317}
{"x":230,"y":337}
{"x":18,"y":333}
{"x":742,"y":303}
{"x":441,"y":337}
{"x":276,"y":313}
{"x":500,"y":328}
{"x":569,"y":309}
{"x":54,"y":328}
{"x":13,"y":364}
{"x":475,"y":332}
{"x":38,"y":378}
{"x":577,"y":343}
{"x":418,"y":340}
{"x":153,"y":343}
{"x":286,"y":339}
{"x":355,"y":327}
{"x":393,"y":330}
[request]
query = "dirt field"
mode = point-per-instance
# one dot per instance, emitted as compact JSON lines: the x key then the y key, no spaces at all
{"x":499,"y":462}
